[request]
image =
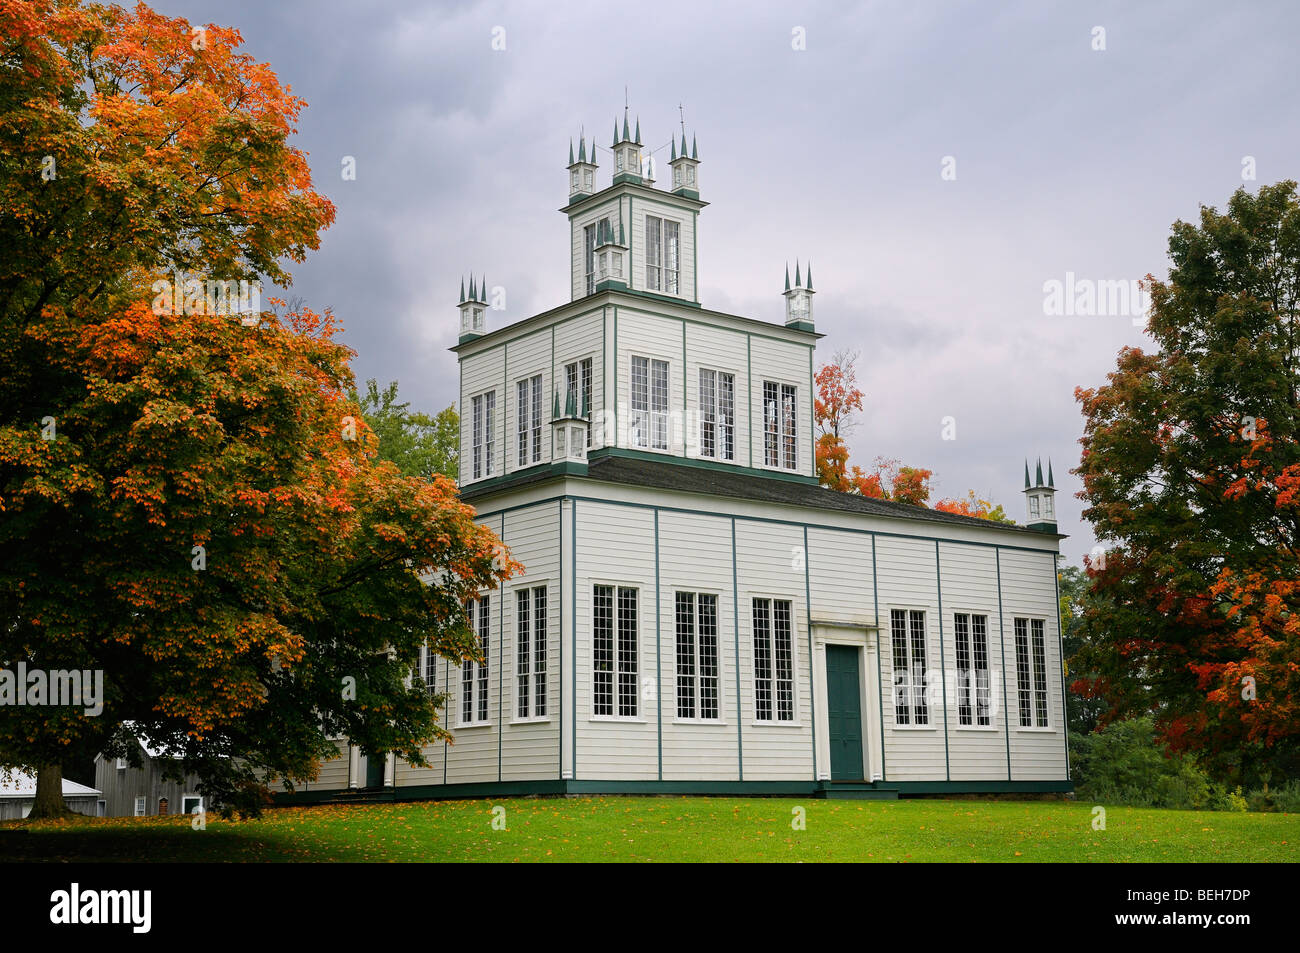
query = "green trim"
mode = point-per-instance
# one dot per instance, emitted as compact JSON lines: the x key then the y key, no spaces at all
{"x":880,"y":682}
{"x":573,"y":626}
{"x":659,"y":662}
{"x":695,"y":249}
{"x":629,"y":189}
{"x":556,"y":786}
{"x":559,"y":532}
{"x":685,"y":436}
{"x":612,"y":284}
{"x":1060,"y":644}
{"x":812,"y":693}
{"x":943,"y":674}
{"x":684,"y":302}
{"x":776,"y":522}
{"x":801,"y":326}
{"x":615,"y":364}
{"x":632,"y":454}
{"x":501,"y":673}
{"x":735,"y":621}
{"x":749,"y":401}
{"x":1002,"y":639}
{"x":812,"y":416}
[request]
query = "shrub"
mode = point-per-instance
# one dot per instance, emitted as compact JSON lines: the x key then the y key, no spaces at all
{"x":1124,"y":763}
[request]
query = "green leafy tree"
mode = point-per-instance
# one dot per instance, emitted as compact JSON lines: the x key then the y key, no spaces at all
{"x":1190,"y":468}
{"x":419,"y":445}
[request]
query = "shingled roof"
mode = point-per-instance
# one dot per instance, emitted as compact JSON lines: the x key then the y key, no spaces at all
{"x":685,"y":478}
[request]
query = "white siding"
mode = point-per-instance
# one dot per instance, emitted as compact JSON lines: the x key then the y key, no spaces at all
{"x":615,"y":546}
{"x":766,"y":568}
{"x":1029,"y":591}
{"x":970,"y":585}
{"x":695,"y":557}
{"x":907,"y":580}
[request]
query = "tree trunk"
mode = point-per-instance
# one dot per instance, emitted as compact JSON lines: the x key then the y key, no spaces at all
{"x":49,"y":793}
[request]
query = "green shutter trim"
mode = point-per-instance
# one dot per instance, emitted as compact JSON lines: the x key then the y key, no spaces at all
{"x":880,"y":683}
{"x":1002,"y":637}
{"x":943,"y":675}
{"x":807,"y":605}
{"x":659,"y":664}
{"x":735,"y":621}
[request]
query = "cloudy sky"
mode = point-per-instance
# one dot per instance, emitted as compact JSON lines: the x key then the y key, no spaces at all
{"x":938,"y":162}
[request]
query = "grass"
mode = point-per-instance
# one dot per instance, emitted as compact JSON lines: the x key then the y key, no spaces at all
{"x":672,"y":829}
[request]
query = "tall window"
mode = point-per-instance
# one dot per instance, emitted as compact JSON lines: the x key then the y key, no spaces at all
{"x":773,"y":660}
{"x":530,"y":652}
{"x":577,"y":386}
{"x":614,"y":651}
{"x":589,"y":248}
{"x":1031,"y":672}
{"x":780,"y":425}
{"x":649,"y":424}
{"x":972,"y":634}
{"x":474,"y":675}
{"x":483,"y":432}
{"x":428,"y":673}
{"x":697,"y":656}
{"x":663,"y":251}
{"x":907,"y":632}
{"x":717,"y":414}
{"x":529,"y":401}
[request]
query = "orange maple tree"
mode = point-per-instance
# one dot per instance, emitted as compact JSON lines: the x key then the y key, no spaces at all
{"x":192,"y":505}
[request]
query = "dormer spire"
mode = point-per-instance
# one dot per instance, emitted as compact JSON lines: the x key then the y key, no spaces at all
{"x":798,"y":299}
{"x":1040,"y":505}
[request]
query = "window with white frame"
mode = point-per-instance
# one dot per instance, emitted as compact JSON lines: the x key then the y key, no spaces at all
{"x":1031,"y":672}
{"x":589,"y":235}
{"x":614,"y":651}
{"x":428,"y":670}
{"x":649,"y":424}
{"x":140,"y":806}
{"x":530,"y":652}
{"x":780,"y":425}
{"x":697,"y":656}
{"x":483,"y":412}
{"x":474,"y":675}
{"x":717,"y":414}
{"x":191,"y":804}
{"x":1033,"y":508}
{"x":773,"y":660}
{"x":662,"y":255}
{"x":528,"y":404}
{"x":577,"y":387}
{"x":972,"y":634}
{"x":907,"y":636}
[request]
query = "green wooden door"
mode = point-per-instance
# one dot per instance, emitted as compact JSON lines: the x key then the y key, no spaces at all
{"x":375,"y":770}
{"x":844,"y":712}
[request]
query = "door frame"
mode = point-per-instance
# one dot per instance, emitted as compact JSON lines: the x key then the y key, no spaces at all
{"x":860,"y":637}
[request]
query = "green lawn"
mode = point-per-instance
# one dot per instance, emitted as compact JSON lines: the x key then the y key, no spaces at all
{"x":677,"y":828}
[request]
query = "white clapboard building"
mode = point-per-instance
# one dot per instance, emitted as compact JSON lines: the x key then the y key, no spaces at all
{"x":697,"y":613}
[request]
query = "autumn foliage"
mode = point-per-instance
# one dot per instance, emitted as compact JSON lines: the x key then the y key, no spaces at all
{"x":191,"y":501}
{"x":1191,"y":467}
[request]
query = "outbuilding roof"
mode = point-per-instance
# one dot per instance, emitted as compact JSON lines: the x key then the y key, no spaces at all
{"x":20,"y":784}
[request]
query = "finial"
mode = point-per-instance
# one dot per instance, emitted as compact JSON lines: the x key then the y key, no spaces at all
{"x":695,"y":153}
{"x":798,"y":282}
{"x":638,"y":130}
{"x":787,"y":280}
{"x":1026,"y":473}
{"x":673,"y":141}
{"x":570,"y":151}
{"x":810,"y":287}
{"x":1049,"y":473}
{"x":1038,"y":475}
